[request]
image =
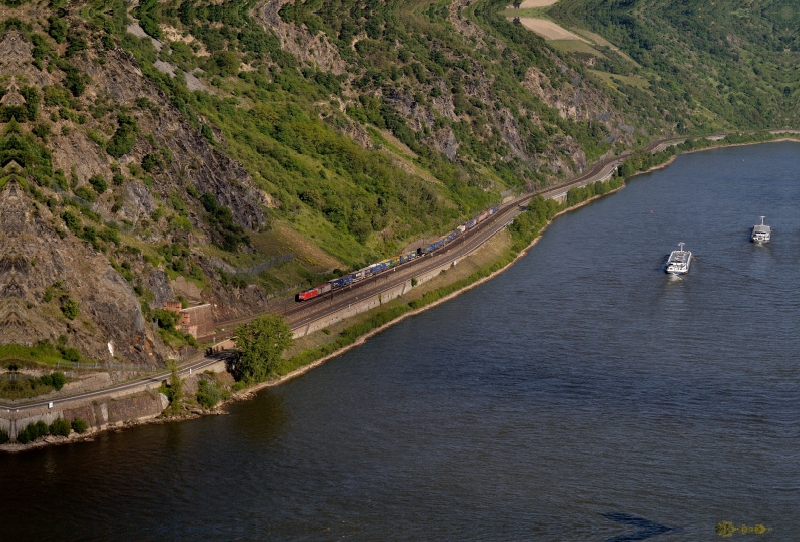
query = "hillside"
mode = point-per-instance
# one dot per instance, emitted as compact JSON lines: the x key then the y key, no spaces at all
{"x":229,"y":152}
{"x":710,"y":65}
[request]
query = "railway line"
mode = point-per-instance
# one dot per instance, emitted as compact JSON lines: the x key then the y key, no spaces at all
{"x":302,"y":314}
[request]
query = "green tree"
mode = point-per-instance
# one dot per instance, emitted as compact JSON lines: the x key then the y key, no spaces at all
{"x":259,"y":345}
{"x":58,"y":380}
{"x":174,"y":388}
{"x":227,"y":62}
{"x":166,"y":319}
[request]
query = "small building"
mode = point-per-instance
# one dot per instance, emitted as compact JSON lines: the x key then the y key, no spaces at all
{"x":173,"y":306}
{"x":199,"y":319}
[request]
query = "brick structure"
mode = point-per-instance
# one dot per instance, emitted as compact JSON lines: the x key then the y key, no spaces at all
{"x":197,"y":321}
{"x":173,"y":306}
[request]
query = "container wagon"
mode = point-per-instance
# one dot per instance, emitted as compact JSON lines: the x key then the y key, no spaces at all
{"x":341,"y":282}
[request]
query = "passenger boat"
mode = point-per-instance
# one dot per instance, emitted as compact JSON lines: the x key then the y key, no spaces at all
{"x":761,"y":233}
{"x":679,"y":261}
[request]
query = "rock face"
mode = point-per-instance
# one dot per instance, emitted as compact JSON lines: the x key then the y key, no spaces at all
{"x":62,"y":259}
{"x":34,"y":259}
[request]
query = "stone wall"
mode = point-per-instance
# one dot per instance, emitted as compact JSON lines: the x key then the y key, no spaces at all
{"x":201,"y":317}
{"x":369,"y":303}
{"x":98,"y":414}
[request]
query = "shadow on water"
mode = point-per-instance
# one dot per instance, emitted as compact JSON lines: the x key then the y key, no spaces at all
{"x":646,"y":528}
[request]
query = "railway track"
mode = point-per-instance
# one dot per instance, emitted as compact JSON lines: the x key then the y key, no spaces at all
{"x":300,"y":314}
{"x":303,"y":314}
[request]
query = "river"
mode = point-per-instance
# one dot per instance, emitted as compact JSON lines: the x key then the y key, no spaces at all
{"x":582,"y":395}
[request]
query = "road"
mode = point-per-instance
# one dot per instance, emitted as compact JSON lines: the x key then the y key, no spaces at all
{"x":152,"y":381}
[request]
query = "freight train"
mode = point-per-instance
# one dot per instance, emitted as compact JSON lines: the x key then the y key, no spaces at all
{"x":389,"y":263}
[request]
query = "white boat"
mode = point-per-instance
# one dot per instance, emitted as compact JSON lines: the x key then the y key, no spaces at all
{"x":679,"y":261}
{"x":761,"y":233}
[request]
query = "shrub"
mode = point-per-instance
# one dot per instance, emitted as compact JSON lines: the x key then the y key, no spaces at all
{"x":56,"y":380}
{"x":151,"y":161}
{"x":209,"y":393}
{"x":60,"y":427}
{"x":41,"y":428}
{"x":79,"y":425}
{"x":71,"y":354}
{"x":70,"y":308}
{"x":3,"y":436}
{"x":72,"y":221}
{"x":166,"y":319}
{"x":124,"y":138}
{"x":99,"y":183}
{"x":58,"y":29}
{"x":42,"y":130}
{"x":86,"y":193}
{"x":227,"y":63}
{"x":23,"y":437}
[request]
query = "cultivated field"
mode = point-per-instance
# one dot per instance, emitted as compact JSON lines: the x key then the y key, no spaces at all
{"x":537,"y":3}
{"x":549,"y":30}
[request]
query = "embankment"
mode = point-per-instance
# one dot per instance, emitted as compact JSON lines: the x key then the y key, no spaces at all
{"x":473,"y":281}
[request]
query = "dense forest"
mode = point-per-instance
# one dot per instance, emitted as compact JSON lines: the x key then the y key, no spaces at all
{"x":721,"y":65}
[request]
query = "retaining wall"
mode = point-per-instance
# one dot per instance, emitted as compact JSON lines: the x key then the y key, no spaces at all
{"x":369,"y":303}
{"x":98,"y":414}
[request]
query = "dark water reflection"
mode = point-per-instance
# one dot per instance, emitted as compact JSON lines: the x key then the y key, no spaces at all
{"x":582,"y":395}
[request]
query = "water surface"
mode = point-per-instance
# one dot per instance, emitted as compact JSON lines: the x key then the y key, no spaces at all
{"x":578,"y":391}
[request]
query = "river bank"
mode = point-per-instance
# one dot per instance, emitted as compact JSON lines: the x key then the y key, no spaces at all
{"x":379,"y":320}
{"x":363,"y":338}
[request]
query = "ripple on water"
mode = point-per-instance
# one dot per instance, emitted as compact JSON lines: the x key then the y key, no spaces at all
{"x":582,"y":395}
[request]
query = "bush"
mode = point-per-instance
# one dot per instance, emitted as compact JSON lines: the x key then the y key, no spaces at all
{"x":72,"y":221}
{"x":60,"y":427}
{"x":57,"y":380}
{"x":124,"y":138}
{"x":166,"y":319}
{"x":71,"y":354}
{"x":32,"y":432}
{"x":86,"y":193}
{"x":79,"y":425}
{"x":3,"y":436}
{"x":70,"y":308}
{"x":99,"y":183}
{"x":151,"y":161}
{"x":24,"y":437}
{"x":41,"y":428}
{"x":209,"y":393}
